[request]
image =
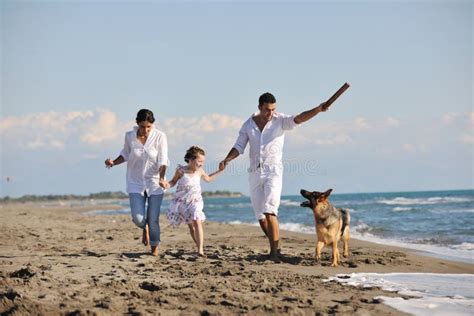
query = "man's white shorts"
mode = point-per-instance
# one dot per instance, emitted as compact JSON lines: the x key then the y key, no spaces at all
{"x":265,"y":192}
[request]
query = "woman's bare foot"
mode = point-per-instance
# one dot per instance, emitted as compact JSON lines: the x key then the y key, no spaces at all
{"x":154,"y":251}
{"x":146,"y":236}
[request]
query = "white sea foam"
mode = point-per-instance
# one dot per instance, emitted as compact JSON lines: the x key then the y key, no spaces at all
{"x":468,"y":210}
{"x":240,"y":205}
{"x":296,"y":227}
{"x":289,"y":203}
{"x":464,"y":246}
{"x":242,"y":223}
{"x":403,"y":209}
{"x":426,"y":201}
{"x":454,"y":252}
{"x":436,"y":294}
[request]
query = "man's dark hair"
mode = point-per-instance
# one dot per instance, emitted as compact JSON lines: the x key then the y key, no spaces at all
{"x":267,"y":97}
{"x":145,"y":115}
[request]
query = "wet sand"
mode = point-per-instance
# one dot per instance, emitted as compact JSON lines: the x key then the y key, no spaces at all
{"x":58,"y":259}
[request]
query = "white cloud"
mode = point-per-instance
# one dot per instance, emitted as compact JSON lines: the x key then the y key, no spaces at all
{"x":329,"y":133}
{"x":391,"y":122}
{"x":361,"y":123}
{"x":450,"y":117}
{"x":467,"y":139}
{"x":105,"y":128}
{"x":464,"y":122}
{"x":56,"y":131}
{"x":214,"y":130}
{"x":43,"y":130}
{"x":217,"y":132}
{"x":409,"y":148}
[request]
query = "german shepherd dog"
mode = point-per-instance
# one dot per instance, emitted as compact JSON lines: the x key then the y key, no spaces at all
{"x":331,"y":224}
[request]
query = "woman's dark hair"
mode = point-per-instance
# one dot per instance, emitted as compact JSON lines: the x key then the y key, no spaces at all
{"x":192,"y":153}
{"x":145,"y":115}
{"x":267,"y":97}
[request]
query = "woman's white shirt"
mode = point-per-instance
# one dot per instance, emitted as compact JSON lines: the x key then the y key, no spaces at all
{"x":144,"y":161}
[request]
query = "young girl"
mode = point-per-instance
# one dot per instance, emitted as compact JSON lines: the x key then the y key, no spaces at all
{"x":187,"y":204}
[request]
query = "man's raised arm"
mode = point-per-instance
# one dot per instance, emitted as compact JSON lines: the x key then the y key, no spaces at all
{"x":307,"y":115}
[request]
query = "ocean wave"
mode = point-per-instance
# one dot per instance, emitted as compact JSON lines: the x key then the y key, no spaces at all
{"x":363,"y":230}
{"x":289,"y":203}
{"x":403,"y":209}
{"x":424,"y":201}
{"x":468,"y":210}
{"x":237,"y":205}
{"x":296,"y":227}
{"x":453,"y":252}
{"x":464,"y":246}
{"x":444,"y":294}
{"x":242,"y":223}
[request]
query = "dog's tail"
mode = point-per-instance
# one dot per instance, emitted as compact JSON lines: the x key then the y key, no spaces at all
{"x":346,"y":218}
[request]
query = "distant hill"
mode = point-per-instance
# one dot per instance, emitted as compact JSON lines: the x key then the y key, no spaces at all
{"x":104,"y":196}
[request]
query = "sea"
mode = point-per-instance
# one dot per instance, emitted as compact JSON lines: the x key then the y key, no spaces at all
{"x":436,"y":223}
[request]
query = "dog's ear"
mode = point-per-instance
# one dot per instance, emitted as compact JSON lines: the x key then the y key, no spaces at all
{"x":327,"y":193}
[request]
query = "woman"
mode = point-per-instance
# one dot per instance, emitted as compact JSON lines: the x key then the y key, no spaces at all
{"x":146,"y":153}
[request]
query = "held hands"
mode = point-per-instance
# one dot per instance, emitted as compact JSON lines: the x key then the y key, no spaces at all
{"x":222,"y":165}
{"x":109,"y":163}
{"x":164,"y":184}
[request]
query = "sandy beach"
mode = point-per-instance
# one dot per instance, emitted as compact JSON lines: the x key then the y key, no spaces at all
{"x":60,"y":259}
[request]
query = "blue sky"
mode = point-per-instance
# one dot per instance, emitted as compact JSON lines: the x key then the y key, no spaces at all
{"x":74,"y":74}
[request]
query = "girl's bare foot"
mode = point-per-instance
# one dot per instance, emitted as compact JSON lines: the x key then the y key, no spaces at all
{"x":154,"y":251}
{"x":146,"y":236}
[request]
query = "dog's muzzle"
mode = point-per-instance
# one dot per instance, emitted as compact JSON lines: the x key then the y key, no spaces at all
{"x":305,"y":204}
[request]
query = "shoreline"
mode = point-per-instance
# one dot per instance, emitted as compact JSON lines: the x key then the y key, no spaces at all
{"x":55,"y":259}
{"x":435,"y":251}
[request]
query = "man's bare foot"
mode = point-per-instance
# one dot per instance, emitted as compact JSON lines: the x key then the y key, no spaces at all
{"x":145,"y":236}
{"x":154,"y":251}
{"x":202,"y":255}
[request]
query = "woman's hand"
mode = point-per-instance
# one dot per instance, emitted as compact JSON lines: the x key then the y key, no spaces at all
{"x":109,"y":163}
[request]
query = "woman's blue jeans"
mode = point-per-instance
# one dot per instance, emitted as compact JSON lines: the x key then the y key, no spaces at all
{"x":142,"y":215}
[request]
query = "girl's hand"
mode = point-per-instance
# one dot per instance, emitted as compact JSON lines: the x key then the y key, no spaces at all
{"x":109,"y":163}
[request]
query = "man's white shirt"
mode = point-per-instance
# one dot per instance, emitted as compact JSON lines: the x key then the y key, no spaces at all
{"x":266,"y":147}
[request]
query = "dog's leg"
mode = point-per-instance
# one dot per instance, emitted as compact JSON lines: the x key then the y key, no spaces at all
{"x":335,"y":254}
{"x":345,"y":240}
{"x":319,"y":246}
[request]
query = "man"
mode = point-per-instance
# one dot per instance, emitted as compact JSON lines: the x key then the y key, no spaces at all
{"x":265,"y":131}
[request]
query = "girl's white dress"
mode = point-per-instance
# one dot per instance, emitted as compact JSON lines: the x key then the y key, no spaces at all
{"x":187,"y":204}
